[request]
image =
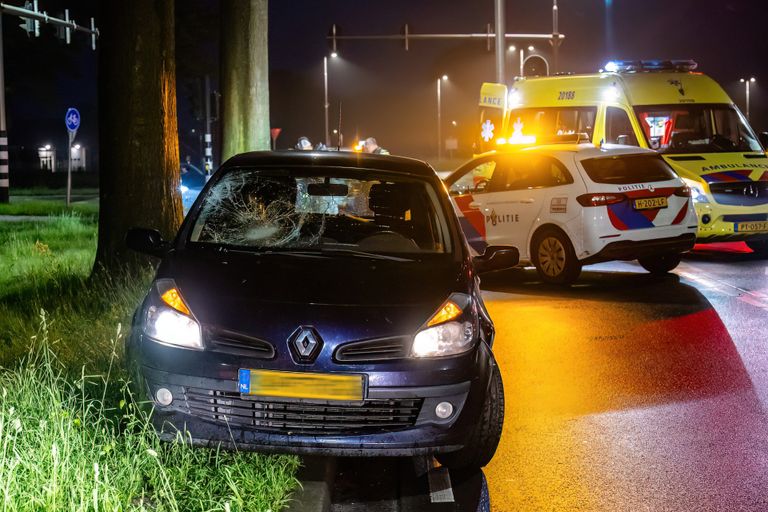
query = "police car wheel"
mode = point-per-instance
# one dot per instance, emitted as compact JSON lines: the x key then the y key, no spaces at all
{"x":759,"y":247}
{"x":554,"y":257}
{"x":659,"y":264}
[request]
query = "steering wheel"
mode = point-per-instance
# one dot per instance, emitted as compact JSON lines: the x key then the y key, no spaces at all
{"x":722,"y":142}
{"x":388,"y":240}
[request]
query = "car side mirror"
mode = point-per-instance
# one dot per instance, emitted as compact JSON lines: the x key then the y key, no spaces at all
{"x":763,"y":138}
{"x":147,"y":241}
{"x":497,"y":257}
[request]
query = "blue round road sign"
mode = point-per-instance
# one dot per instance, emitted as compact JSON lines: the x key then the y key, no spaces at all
{"x":72,"y":119}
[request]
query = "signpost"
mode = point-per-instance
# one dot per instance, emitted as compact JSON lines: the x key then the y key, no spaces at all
{"x":72,"y":121}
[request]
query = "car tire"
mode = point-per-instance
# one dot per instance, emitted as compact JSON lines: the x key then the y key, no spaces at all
{"x":554,"y":258}
{"x":759,"y":247}
{"x":481,"y":445}
{"x":660,"y":264}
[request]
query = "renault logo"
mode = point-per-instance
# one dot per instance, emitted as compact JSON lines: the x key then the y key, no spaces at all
{"x":305,"y":343}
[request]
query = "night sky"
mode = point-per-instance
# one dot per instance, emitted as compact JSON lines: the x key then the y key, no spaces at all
{"x":385,"y":91}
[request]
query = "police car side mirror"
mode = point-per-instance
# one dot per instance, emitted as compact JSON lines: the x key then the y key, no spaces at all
{"x":497,"y":257}
{"x":763,"y":138}
{"x":147,"y":241}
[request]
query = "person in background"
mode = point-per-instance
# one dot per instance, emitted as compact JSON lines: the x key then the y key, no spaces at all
{"x":303,"y":144}
{"x":371,"y":146}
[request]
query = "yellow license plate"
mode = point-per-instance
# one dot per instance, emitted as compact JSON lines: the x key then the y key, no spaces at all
{"x":318,"y":386}
{"x":746,"y":227}
{"x":648,"y":203}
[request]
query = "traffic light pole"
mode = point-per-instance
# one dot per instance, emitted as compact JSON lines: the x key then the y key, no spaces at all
{"x":36,"y":17}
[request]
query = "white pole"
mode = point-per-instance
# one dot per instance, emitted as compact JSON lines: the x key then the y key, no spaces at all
{"x":69,"y":168}
{"x":522,"y":62}
{"x":325,"y":104}
{"x":746,"y":82}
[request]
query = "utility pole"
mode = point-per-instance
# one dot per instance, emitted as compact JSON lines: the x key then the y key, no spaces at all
{"x":555,"y":38}
{"x":439,"y":120}
{"x":500,"y":40}
{"x":35,"y":16}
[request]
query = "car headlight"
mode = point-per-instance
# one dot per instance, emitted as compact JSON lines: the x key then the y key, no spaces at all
{"x":450,"y":331}
{"x":169,"y":319}
{"x":698,"y":194}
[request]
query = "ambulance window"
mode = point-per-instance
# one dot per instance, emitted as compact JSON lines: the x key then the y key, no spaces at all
{"x":618,"y":128}
{"x":548,"y":122}
{"x":475,"y":180}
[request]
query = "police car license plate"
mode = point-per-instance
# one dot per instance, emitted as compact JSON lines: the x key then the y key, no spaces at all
{"x":746,"y":227}
{"x":318,"y":386}
{"x":648,"y":203}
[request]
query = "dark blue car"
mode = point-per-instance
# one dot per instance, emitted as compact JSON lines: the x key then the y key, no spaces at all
{"x":321,"y":303}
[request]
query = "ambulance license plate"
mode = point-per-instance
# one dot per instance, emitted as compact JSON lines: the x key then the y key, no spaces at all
{"x":650,"y":203}
{"x":747,"y":227}
{"x":317,"y":386}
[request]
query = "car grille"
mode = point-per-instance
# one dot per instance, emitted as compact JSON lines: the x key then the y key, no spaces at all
{"x":374,"y":350}
{"x":369,"y":417}
{"x":740,"y":193}
{"x":221,"y":340}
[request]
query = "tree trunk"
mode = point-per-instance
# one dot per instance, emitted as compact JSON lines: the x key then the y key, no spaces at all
{"x":244,"y":77}
{"x":138,"y":133}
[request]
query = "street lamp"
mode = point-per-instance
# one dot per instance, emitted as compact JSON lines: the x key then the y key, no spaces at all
{"x":746,"y":83}
{"x":439,"y":115}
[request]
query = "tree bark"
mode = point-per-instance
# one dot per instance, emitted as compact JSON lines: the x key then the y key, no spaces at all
{"x":138,"y":131}
{"x":244,"y":77}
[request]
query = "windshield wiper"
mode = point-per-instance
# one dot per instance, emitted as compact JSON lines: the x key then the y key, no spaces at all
{"x":363,"y":254}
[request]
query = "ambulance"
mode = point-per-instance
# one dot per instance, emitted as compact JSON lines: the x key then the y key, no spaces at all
{"x":665,"y":106}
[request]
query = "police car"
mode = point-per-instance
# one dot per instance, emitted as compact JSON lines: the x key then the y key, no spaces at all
{"x":569,"y":205}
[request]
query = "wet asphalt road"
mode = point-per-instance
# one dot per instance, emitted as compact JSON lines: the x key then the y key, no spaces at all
{"x":632,"y":392}
{"x":625,"y":392}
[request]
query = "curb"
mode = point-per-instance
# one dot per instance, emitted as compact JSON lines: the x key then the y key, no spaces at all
{"x":316,"y":478}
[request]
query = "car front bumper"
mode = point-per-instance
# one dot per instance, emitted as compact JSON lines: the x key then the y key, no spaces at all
{"x":209,"y":411}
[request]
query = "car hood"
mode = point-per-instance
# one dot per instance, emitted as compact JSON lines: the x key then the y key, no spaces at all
{"x":720,"y":167}
{"x":269,"y":296}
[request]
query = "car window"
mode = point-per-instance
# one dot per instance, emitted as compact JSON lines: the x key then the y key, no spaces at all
{"x":529,"y":172}
{"x":618,"y":128}
{"x":291,"y":210}
{"x":626,"y":169}
{"x":475,"y":180}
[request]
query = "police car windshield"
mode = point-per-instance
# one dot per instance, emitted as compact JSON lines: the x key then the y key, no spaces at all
{"x":686,"y":128}
{"x":327,"y":211}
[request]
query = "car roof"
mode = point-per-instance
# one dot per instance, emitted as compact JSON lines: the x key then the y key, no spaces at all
{"x":388,"y":163}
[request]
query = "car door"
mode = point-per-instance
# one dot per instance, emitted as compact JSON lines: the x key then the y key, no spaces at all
{"x":513,"y":199}
{"x":467,"y":187}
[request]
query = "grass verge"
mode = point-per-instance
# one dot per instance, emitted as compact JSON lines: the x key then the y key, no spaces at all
{"x":45,"y":207}
{"x":70,"y":436}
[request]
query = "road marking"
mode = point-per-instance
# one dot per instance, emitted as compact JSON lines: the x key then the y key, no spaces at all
{"x":753,"y":298}
{"x":440,"y":490}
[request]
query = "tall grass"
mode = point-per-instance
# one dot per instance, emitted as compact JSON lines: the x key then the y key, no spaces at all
{"x":71,"y":438}
{"x":80,"y":444}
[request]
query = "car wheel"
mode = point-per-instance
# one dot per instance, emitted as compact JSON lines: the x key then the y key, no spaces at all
{"x":659,"y":264}
{"x":554,"y":257}
{"x":481,"y":445}
{"x":759,"y":247}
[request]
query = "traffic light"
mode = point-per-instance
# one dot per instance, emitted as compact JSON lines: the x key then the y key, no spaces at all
{"x":29,"y":25}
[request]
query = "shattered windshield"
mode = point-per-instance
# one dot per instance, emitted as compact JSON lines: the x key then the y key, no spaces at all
{"x":291,"y":210}
{"x":688,"y":128}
